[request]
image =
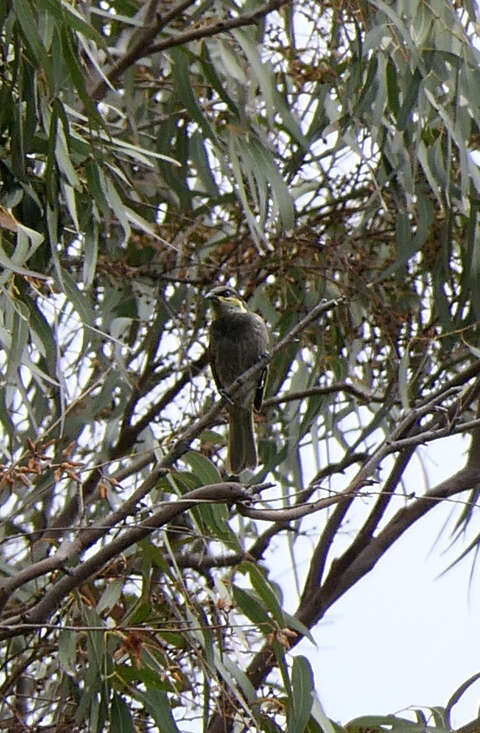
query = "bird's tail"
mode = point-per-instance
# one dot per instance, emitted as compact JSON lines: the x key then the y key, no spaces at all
{"x":242,"y":449}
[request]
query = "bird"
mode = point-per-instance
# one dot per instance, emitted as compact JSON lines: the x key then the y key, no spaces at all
{"x":238,"y":338}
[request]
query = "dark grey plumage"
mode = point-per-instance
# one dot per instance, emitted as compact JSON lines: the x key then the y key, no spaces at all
{"x":238,"y":338}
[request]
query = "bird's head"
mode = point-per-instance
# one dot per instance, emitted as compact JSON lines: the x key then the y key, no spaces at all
{"x":225,"y":300}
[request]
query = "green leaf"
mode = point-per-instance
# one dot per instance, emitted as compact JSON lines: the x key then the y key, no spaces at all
{"x":183,"y":88}
{"x":110,"y":595}
{"x":90,"y":251}
{"x":158,"y":705}
{"x":67,"y":649}
{"x":324,"y":724}
{"x":45,"y":340}
{"x":424,"y":220}
{"x":95,"y":640}
{"x":63,"y":12}
{"x":78,"y":299}
{"x":392,"y":723}
{"x":260,"y":68}
{"x":251,"y":159}
{"x":393,"y":94}
{"x":205,"y":471}
{"x":9,"y":265}
{"x":70,"y":200}
{"x":279,"y":188}
{"x":202,"y":164}
{"x":409,"y":100}
{"x":406,"y":246}
{"x":300,"y":705}
{"x":236,"y":166}
{"x":62,"y":155}
{"x":121,"y":720}
{"x":400,"y":25}
{"x":143,"y":224}
{"x":142,"y":155}
{"x":16,"y":358}
{"x":293,"y":623}
{"x":139,"y":613}
{"x":403,"y":369}
{"x":460,"y":691}
{"x":473,"y":349}
{"x":265,"y":592}
{"x":95,"y":186}
{"x":241,"y":679}
{"x":29,"y":26}
{"x":249,"y":605}
{"x":70,"y":56}
{"x":214,"y":79}
{"x":115,"y":203}
{"x":18,"y":344}
{"x":215,"y":517}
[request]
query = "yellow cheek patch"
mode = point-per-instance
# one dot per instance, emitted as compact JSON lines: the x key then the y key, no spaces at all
{"x":234,"y":302}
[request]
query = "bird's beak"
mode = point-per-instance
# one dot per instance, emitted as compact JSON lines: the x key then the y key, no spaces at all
{"x":211,"y":296}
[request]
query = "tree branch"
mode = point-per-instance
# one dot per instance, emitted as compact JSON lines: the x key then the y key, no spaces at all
{"x":87,"y":538}
{"x":310,"y":612}
{"x":144,"y":47}
{"x":130,"y":433}
{"x":139,"y":49}
{"x":226,"y":492}
{"x":294,"y":513}
{"x":223,"y":25}
{"x":329,"y":389}
{"x":353,"y":565}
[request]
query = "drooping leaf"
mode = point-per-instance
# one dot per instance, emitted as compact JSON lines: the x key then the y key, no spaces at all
{"x":302,"y":699}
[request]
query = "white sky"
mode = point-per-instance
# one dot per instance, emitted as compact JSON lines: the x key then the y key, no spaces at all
{"x":403,"y":636}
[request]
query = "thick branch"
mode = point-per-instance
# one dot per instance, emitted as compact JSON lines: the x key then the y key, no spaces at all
{"x":223,"y":25}
{"x":87,"y":538}
{"x":144,"y":46}
{"x":352,"y":566}
{"x":314,"y":608}
{"x":337,"y":584}
{"x":139,"y":49}
{"x":294,"y":513}
{"x":216,"y":493}
{"x":319,"y":558}
{"x":472,"y":727}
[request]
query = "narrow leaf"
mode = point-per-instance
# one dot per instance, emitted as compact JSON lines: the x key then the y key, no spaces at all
{"x":392,"y":87}
{"x":110,"y":595}
{"x":204,"y":470}
{"x":302,"y":695}
{"x":78,"y":298}
{"x":266,"y":593}
{"x":121,"y":720}
{"x":19,"y":342}
{"x":183,"y":88}
{"x":250,"y":606}
{"x":29,"y":26}
{"x":157,"y":704}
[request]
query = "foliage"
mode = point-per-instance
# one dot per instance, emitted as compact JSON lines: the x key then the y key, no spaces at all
{"x":323,"y":157}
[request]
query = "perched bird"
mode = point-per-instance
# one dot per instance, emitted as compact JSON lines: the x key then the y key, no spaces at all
{"x":238,"y":339}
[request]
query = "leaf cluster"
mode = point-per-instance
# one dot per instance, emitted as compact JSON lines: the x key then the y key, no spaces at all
{"x":323,"y":157}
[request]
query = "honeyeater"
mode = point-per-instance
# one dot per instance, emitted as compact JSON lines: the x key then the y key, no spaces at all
{"x":238,"y":339}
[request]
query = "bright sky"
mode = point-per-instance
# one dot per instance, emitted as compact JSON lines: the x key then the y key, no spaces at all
{"x":403,"y":636}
